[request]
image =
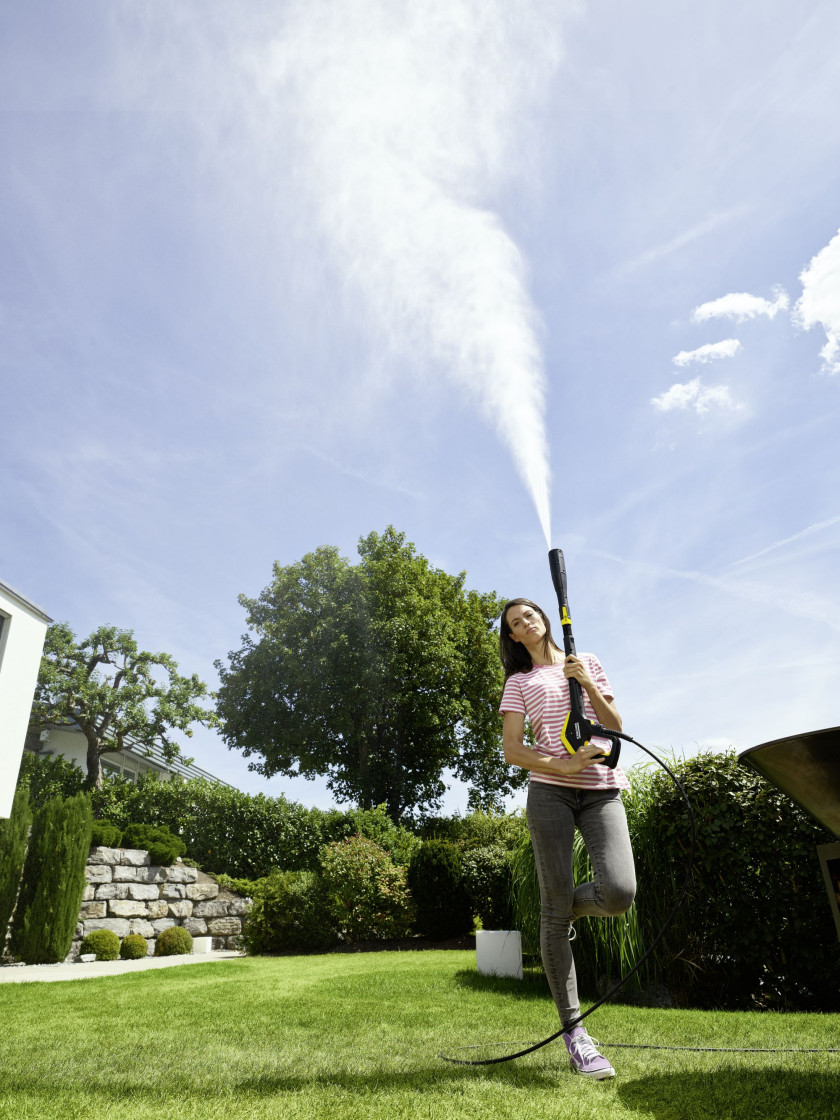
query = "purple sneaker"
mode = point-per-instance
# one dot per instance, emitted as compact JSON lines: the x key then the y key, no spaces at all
{"x":584,"y":1058}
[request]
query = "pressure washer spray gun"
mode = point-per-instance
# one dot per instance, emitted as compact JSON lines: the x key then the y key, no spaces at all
{"x":577,"y":729}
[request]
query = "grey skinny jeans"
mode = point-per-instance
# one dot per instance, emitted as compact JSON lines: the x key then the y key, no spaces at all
{"x":553,"y":813}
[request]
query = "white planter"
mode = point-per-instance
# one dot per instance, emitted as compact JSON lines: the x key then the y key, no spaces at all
{"x":498,"y":952}
{"x":202,"y":944}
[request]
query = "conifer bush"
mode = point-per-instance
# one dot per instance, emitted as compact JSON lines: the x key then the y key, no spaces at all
{"x":368,"y":894}
{"x":163,"y":847}
{"x":134,"y":947}
{"x":14,"y":837}
{"x":53,"y":881}
{"x":105,"y":835}
{"x":174,"y":942}
{"x":103,"y":942}
{"x":435,"y":878}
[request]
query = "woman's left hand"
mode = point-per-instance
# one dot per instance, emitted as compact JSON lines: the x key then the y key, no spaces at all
{"x":575,"y":668}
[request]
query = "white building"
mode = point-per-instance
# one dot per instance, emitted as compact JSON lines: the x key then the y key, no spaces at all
{"x":22,"y":630}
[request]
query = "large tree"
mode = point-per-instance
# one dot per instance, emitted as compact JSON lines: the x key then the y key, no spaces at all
{"x":379,"y":675}
{"x":116,"y":694}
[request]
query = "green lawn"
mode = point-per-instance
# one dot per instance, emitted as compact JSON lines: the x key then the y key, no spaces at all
{"x":346,"y":1036}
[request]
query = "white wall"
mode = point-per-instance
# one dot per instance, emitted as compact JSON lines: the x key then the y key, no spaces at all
{"x":21,"y":643}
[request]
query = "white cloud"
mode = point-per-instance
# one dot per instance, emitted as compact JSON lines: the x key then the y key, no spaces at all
{"x":820,"y":301}
{"x":692,"y":394}
{"x":727,"y":348}
{"x":741,"y":306}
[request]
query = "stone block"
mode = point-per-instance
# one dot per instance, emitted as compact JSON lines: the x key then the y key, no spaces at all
{"x":199,"y":892}
{"x":158,"y":909}
{"x":178,"y":873}
{"x":145,"y":891}
{"x":92,"y":910}
{"x":141,"y":926}
{"x":104,"y":855}
{"x":89,"y":893}
{"x":172,"y":890}
{"x":151,"y":874}
{"x":237,"y":907}
{"x":119,"y":925}
{"x":195,"y":926}
{"x":219,"y":943}
{"x":134,"y":857}
{"x":210,"y":910}
{"x":182,"y":908}
{"x":127,"y":908}
{"x":128,"y":874}
{"x":112,"y":890}
{"x":224,"y":927}
{"x":99,"y":873}
{"x":160,"y":924}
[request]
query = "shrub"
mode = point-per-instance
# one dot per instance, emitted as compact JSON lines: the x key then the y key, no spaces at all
{"x":49,"y":776}
{"x":436,"y":884}
{"x":53,"y":881}
{"x":105,"y":835}
{"x":368,"y":893}
{"x":376,"y":825}
{"x":157,"y":840}
{"x":103,"y":942}
{"x":248,"y":888}
{"x":489,"y":885}
{"x":224,"y":829}
{"x":173,"y":942}
{"x":134,"y":947}
{"x":477,"y":830}
{"x":14,"y":837}
{"x":290,"y":914}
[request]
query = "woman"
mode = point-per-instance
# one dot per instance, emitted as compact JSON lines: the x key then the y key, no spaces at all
{"x":565,"y":791}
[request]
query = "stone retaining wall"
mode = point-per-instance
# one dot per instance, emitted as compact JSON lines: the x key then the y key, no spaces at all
{"x":126,"y":893}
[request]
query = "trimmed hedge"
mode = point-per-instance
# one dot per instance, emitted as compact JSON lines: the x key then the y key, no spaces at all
{"x":53,"y":881}
{"x":134,"y":947}
{"x":436,"y":883}
{"x":14,"y":838}
{"x":105,"y":835}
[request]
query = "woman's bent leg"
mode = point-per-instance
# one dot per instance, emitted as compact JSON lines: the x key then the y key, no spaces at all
{"x":551,"y":822}
{"x":602,"y":823}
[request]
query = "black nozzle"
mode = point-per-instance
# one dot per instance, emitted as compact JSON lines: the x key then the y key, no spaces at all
{"x":557,"y":566}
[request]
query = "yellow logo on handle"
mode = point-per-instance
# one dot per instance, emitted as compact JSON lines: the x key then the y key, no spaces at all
{"x":564,"y":618}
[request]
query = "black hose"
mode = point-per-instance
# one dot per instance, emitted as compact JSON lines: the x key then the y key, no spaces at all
{"x":665,"y":926}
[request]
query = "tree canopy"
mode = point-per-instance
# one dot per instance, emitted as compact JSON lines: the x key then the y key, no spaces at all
{"x":379,"y":675}
{"x":116,"y":694}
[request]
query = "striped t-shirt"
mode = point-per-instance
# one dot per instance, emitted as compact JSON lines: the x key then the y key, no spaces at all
{"x":543,"y":696}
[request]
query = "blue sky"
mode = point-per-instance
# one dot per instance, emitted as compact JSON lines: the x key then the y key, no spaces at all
{"x":278,"y":274}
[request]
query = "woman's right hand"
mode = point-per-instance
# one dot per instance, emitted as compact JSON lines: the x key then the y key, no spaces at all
{"x":584,"y":756}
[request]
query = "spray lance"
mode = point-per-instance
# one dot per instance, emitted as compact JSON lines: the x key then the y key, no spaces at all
{"x":577,"y":729}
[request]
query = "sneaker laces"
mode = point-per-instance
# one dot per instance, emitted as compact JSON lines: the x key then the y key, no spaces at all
{"x":585,"y":1047}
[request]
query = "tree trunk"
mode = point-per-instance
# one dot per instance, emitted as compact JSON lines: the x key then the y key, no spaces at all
{"x":94,"y":764}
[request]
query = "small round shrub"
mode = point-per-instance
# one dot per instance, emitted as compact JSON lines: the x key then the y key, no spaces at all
{"x":161,"y":844}
{"x":173,"y":942}
{"x":368,"y":894}
{"x":134,"y":947}
{"x":489,"y":885}
{"x":103,"y":942}
{"x":105,"y":835}
{"x":290,"y":914}
{"x":436,"y":882}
